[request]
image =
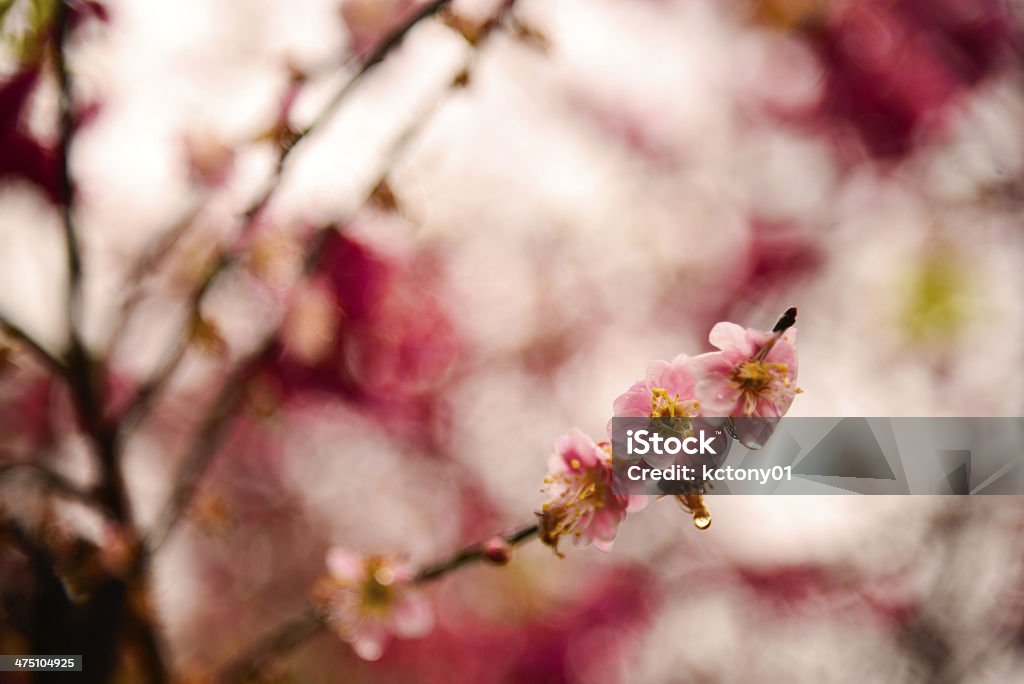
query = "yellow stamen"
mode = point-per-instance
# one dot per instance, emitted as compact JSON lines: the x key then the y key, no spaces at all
{"x":756,"y":380}
{"x":664,"y":405}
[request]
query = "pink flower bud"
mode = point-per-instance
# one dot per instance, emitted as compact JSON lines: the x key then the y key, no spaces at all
{"x":497,"y":550}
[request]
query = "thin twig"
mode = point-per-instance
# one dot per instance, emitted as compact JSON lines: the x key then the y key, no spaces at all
{"x":204,"y":445}
{"x":162,"y":246}
{"x":51,"y":480}
{"x":149,"y":263}
{"x":399,"y":147}
{"x":146,"y":394}
{"x":67,"y":190}
{"x":378,"y":55}
{"x":85,"y":391}
{"x":473,"y":554}
{"x":140,"y":404}
{"x":290,"y":633}
{"x":306,"y":624}
{"x":208,"y":438}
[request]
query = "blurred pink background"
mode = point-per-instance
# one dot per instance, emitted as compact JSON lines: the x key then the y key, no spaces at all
{"x":614,"y":177}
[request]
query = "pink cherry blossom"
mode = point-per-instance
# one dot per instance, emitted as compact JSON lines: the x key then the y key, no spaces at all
{"x":368,"y":599}
{"x":583,"y":502}
{"x":754,"y":374}
{"x":666,"y":391}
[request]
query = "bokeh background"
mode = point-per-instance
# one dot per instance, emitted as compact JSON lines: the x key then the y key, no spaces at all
{"x":520,"y":215}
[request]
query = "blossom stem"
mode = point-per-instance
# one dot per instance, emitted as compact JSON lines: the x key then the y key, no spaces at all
{"x":309,"y":622}
{"x":292,"y":632}
{"x":474,"y":553}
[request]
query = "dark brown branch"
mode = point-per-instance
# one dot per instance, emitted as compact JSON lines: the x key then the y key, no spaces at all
{"x":106,"y":607}
{"x":79,"y":363}
{"x":301,"y":627}
{"x":86,"y":392}
{"x":53,"y":363}
{"x":66,"y":185}
{"x":286,"y":636}
{"x":474,"y":553}
{"x":51,"y":480}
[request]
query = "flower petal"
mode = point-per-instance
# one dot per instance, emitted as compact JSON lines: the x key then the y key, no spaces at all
{"x":369,"y":642}
{"x":345,"y":565}
{"x":634,"y":402}
{"x":729,"y":336}
{"x":412,"y":616}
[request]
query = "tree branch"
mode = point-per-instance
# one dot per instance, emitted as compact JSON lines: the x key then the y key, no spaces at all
{"x":148,"y":263}
{"x":290,"y":633}
{"x":207,"y":440}
{"x":50,"y":479}
{"x":204,"y":445}
{"x":87,"y":391}
{"x":306,"y":624}
{"x":378,"y":55}
{"x":140,"y":404}
{"x":66,"y":184}
{"x":474,"y":553}
{"x":53,"y":363}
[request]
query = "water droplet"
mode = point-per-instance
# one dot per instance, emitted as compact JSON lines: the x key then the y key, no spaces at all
{"x":694,"y":504}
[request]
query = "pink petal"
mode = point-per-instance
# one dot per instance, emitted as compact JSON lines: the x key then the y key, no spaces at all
{"x":674,"y":377}
{"x":577,"y":445}
{"x":655,"y":369}
{"x":711,"y":364}
{"x":784,"y":352}
{"x":345,"y":565}
{"x":729,"y":336}
{"x":636,"y":401}
{"x":717,"y":397}
{"x":605,"y":524}
{"x":369,"y":643}
{"x":637,"y":502}
{"x":412,"y":617}
{"x":767,"y":408}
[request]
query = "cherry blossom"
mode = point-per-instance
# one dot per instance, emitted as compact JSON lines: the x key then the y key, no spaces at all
{"x":583,"y":502}
{"x":370,"y":598}
{"x":666,"y":391}
{"x":753,"y":374}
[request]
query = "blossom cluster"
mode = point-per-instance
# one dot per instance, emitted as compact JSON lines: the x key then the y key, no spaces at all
{"x":752,"y":375}
{"x":367,"y":599}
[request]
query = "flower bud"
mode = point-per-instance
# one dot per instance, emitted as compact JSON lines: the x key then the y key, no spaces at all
{"x":497,"y":550}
